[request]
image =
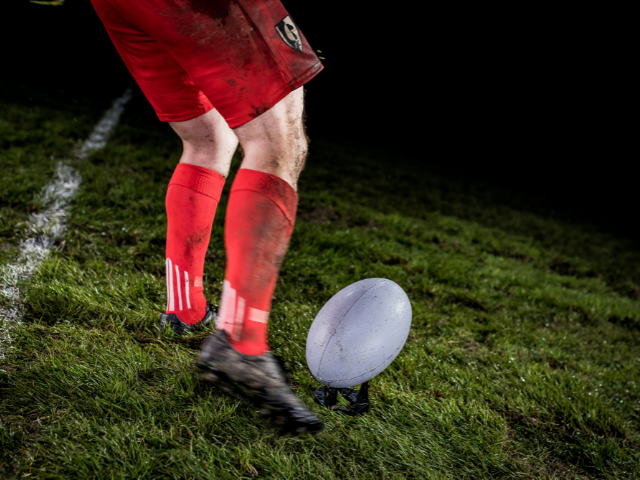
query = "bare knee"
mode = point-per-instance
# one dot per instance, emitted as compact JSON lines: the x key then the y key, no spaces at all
{"x":276,"y":141}
{"x":207,"y":142}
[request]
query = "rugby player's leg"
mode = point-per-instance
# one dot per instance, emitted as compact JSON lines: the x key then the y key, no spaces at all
{"x":276,"y":142}
{"x":192,"y":198}
{"x":260,"y":219}
{"x":196,"y":185}
{"x":207,"y":142}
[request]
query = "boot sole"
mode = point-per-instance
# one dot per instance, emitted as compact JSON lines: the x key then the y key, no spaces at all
{"x":278,"y":416}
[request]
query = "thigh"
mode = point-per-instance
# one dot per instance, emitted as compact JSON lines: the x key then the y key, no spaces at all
{"x":277,"y":129}
{"x":167,"y":86}
{"x":276,"y":141}
{"x":244,"y":55}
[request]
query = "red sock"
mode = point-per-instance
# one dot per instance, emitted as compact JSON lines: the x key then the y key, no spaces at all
{"x":260,"y":218}
{"x":192,"y":198}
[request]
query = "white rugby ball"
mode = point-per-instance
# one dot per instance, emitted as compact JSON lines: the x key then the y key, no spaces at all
{"x":358,"y":333}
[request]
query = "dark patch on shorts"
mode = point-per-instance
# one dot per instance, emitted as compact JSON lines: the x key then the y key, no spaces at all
{"x":259,"y":110}
{"x":215,"y":9}
{"x":201,"y":20}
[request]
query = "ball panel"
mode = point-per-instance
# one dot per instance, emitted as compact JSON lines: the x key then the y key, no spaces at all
{"x":358,"y":336}
{"x":358,"y":344}
{"x":324,"y":325}
{"x":369,"y":337}
{"x":365,"y":376}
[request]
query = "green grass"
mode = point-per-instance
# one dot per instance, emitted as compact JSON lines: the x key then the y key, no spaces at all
{"x":522,"y":361}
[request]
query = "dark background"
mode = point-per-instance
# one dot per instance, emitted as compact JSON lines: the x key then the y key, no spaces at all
{"x":525,"y":99}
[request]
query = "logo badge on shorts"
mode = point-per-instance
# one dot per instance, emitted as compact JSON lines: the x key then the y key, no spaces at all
{"x":289,"y":33}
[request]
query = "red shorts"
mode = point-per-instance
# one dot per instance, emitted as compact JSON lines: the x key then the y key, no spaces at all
{"x":189,"y":56}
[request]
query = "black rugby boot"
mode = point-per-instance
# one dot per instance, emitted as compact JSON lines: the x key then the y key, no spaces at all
{"x":171,"y":320}
{"x":257,"y":378}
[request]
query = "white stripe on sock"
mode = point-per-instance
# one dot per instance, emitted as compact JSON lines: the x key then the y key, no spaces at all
{"x":223,"y":306}
{"x":166,"y":274}
{"x":237,"y":329}
{"x":172,"y":303}
{"x":186,"y":289}
{"x":179,"y":287}
{"x":231,"y":311}
{"x":228,"y":307}
{"x":256,"y":315}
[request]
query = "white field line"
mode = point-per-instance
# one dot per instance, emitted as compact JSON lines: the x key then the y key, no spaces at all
{"x":43,"y":229}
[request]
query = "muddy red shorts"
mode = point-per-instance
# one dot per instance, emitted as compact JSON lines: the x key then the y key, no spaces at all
{"x":189,"y":56}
